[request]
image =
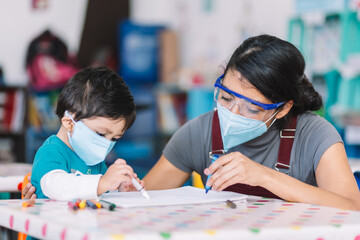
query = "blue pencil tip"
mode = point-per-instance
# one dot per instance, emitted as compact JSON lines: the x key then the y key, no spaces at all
{"x":206,"y":190}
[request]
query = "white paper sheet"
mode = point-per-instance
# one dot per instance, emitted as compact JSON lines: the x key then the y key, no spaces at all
{"x":177,"y":196}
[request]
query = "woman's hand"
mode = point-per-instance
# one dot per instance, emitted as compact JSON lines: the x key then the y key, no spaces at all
{"x":234,"y":168}
{"x":29,"y":191}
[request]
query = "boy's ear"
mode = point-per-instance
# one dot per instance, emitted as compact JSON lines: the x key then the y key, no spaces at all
{"x":67,"y":123}
{"x":285,"y":109}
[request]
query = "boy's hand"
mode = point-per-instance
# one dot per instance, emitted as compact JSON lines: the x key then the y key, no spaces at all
{"x":119,"y":172}
{"x":129,"y":187}
{"x":29,"y":190}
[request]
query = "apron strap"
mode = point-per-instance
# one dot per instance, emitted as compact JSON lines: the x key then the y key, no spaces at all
{"x":287,"y":135}
{"x":217,"y":146}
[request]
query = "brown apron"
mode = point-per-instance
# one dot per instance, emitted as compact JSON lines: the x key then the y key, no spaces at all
{"x":287,"y":135}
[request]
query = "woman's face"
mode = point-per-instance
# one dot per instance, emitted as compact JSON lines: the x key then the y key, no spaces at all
{"x":239,"y":84}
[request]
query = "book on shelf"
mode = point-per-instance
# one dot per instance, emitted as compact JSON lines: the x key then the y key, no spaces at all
{"x":6,"y":154}
{"x":168,"y":120}
{"x":12,"y":110}
{"x":172,"y":114}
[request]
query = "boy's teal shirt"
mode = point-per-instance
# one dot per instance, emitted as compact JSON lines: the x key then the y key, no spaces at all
{"x":54,"y":154}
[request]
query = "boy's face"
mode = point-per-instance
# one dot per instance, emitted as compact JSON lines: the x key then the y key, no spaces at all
{"x":111,"y":129}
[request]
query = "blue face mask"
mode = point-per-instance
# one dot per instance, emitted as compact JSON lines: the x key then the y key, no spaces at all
{"x":87,"y":144}
{"x":236,"y":129}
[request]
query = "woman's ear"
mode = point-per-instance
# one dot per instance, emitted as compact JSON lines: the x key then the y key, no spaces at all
{"x":285,"y":109}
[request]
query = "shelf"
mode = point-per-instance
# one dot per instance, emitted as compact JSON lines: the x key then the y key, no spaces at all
{"x":13,"y":123}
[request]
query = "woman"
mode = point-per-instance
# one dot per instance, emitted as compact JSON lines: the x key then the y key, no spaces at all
{"x":267,"y":140}
{"x":263,"y":90}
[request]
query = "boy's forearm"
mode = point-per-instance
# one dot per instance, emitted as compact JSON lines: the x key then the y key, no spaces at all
{"x":60,"y":185}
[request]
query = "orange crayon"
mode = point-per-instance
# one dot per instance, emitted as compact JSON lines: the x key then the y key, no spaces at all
{"x":28,"y":203}
{"x":97,"y":204}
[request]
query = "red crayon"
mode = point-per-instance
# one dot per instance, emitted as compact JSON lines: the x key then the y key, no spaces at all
{"x":76,"y":202}
{"x":73,"y":206}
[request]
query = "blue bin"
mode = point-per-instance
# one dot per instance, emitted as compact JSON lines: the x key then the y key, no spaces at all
{"x":357,"y":177}
{"x":139,"y":52}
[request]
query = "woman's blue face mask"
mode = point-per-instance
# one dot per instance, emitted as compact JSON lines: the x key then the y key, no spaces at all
{"x":236,"y":129}
{"x":249,"y":123}
{"x":87,"y":144}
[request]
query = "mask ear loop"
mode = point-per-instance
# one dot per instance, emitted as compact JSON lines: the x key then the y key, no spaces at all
{"x":68,"y":115}
{"x":273,"y":120}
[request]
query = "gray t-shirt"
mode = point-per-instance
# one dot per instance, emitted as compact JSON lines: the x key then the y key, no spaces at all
{"x":189,"y":147}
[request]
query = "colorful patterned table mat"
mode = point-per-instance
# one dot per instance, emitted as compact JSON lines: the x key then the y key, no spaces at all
{"x":259,"y":218}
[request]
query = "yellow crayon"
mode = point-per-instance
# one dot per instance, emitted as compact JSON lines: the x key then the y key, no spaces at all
{"x":82,"y":204}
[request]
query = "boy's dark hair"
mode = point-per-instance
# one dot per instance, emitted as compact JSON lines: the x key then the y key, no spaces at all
{"x":276,"y":68}
{"x":97,"y":92}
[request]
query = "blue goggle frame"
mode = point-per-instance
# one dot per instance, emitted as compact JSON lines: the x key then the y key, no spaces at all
{"x":263,"y":105}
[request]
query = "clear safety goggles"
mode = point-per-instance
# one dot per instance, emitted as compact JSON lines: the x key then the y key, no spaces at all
{"x":247,"y":107}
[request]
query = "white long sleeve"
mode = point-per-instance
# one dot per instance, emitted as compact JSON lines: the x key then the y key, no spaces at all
{"x":60,"y":185}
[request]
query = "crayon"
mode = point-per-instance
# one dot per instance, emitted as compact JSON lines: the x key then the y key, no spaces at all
{"x":207,"y":188}
{"x":105,"y":204}
{"x":28,"y":203}
{"x":98,"y":205}
{"x":73,"y":206}
{"x":91,"y":204}
{"x":76,"y":202}
{"x":230,"y":204}
{"x":82,"y":204}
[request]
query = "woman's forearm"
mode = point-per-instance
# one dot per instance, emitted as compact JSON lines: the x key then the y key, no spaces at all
{"x":293,"y":190}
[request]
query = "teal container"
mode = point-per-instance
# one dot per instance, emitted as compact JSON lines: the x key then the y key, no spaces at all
{"x":200,"y":100}
{"x":332,"y":80}
{"x":347,"y":93}
{"x":357,"y":94}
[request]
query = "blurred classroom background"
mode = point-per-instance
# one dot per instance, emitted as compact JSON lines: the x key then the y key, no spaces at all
{"x":170,"y":54}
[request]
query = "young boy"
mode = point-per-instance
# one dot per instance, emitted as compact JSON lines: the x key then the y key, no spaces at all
{"x":95,"y":108}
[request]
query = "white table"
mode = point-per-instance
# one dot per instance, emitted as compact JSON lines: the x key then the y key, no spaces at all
{"x":258,"y":218}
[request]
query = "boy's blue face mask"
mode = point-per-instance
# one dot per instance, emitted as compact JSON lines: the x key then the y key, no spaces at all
{"x":87,"y":144}
{"x":236,"y":129}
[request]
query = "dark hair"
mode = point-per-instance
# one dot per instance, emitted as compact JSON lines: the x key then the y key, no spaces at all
{"x":97,"y":92}
{"x":276,"y":68}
